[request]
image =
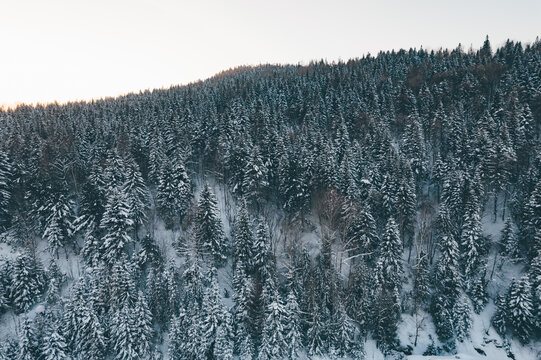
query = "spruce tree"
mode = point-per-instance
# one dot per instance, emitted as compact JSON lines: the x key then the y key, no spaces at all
{"x":209,"y":233}
{"x":447,"y":280}
{"x":463,"y":322}
{"x":54,"y":345}
{"x":27,"y":282}
{"x":273,"y":342}
{"x":520,"y":309}
{"x":243,"y":240}
{"x":27,"y":341}
{"x":6,"y":173}
{"x":174,"y":191}
{"x":508,"y":241}
{"x":471,"y":241}
{"x":116,"y":224}
{"x":137,"y":196}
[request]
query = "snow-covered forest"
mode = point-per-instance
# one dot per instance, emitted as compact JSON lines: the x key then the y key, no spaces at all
{"x":387,"y":206}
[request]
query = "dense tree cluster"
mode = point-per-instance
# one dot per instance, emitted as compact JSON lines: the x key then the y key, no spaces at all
{"x":393,"y":159}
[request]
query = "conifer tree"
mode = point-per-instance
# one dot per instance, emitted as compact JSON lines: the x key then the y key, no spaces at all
{"x":116,"y":224}
{"x":293,"y":335}
{"x":243,"y":240}
{"x":59,"y":224}
{"x":6,"y":174}
{"x":520,"y":309}
{"x":27,"y":282}
{"x":255,"y":179}
{"x":137,"y":196}
{"x":209,"y":233}
{"x":143,"y":327}
{"x":463,"y":322}
{"x":27,"y":341}
{"x":447,"y":280}
{"x":273,"y":344}
{"x":54,"y":346}
{"x":123,"y":335}
{"x":212,"y":317}
{"x":501,"y":316}
{"x":174,"y":191}
{"x":508,"y":241}
{"x":471,"y":241}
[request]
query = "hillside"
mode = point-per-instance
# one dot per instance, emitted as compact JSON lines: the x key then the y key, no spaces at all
{"x":385,"y":207}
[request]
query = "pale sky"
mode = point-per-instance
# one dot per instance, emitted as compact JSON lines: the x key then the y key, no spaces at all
{"x":72,"y":49}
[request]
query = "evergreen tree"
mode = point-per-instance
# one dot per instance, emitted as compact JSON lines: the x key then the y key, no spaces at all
{"x":471,"y":241}
{"x":27,"y":282}
{"x":137,"y":196}
{"x":27,"y":341}
{"x":362,"y":235}
{"x":255,"y":178}
{"x":174,"y":191}
{"x":213,"y":316}
{"x":520,"y":309}
{"x":6,"y":174}
{"x":59,"y":224}
{"x":116,"y":224}
{"x":261,"y":245}
{"x":447,"y":281}
{"x":508,"y":241}
{"x":143,"y":327}
{"x":501,"y":316}
{"x":243,"y":240}
{"x":209,"y":233}
{"x":223,"y":348}
{"x":293,"y":337}
{"x":54,"y":346}
{"x":123,"y":334}
{"x":273,"y":344}
{"x":463,"y":322}
{"x":389,"y":271}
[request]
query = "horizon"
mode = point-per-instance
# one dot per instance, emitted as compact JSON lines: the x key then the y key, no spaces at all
{"x":15,"y":105}
{"x":63,"y":52}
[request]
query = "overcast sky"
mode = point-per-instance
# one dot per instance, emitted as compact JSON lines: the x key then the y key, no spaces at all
{"x":72,"y":49}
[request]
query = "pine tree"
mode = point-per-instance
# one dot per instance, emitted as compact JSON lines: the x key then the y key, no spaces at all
{"x":293,"y":335}
{"x":54,"y":346}
{"x":389,"y":267}
{"x":362,"y":236}
{"x":343,"y":333}
{"x":143,"y":327}
{"x":59,"y":224}
{"x":177,"y":337}
{"x":520,"y":309}
{"x":137,"y":196}
{"x":174,"y":191}
{"x":223,"y":348}
{"x":6,"y":173}
{"x":255,"y":178}
{"x":478,"y":292}
{"x":471,"y":241}
{"x":213,"y":315}
{"x":261,"y":245}
{"x":123,"y":335}
{"x":463,"y":322}
{"x":447,"y":280}
{"x":27,"y":282}
{"x":27,"y":341}
{"x":116,"y":224}
{"x":501,"y":316}
{"x":243,"y":240}
{"x":508,"y":242}
{"x":209,"y":233}
{"x":273,"y":344}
